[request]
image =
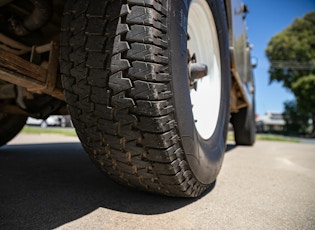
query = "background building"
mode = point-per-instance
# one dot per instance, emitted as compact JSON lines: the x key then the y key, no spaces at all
{"x":270,"y":122}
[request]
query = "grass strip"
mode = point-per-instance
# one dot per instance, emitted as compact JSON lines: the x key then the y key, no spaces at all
{"x":50,"y":130}
{"x":268,"y":137}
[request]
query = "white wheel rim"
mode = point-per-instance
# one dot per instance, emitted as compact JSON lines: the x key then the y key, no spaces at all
{"x":204,"y":43}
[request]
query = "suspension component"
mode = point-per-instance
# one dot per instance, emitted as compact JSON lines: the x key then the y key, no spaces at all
{"x":37,"y":19}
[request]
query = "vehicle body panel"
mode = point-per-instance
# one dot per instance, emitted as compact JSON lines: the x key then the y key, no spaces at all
{"x":240,"y":54}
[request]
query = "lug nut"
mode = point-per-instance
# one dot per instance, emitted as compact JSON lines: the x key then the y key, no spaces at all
{"x":197,"y":71}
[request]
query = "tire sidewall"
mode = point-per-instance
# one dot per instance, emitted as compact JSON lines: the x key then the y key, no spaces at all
{"x":10,"y":126}
{"x":244,"y":125}
{"x":204,"y":156}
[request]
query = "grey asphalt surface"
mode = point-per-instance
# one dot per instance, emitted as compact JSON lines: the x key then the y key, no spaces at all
{"x":47,"y":181}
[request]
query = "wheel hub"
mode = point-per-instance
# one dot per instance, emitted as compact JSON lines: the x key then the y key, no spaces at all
{"x":206,"y":77}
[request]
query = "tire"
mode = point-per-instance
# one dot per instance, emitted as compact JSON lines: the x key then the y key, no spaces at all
{"x":244,"y":126}
{"x":10,"y":126}
{"x":128,"y":92}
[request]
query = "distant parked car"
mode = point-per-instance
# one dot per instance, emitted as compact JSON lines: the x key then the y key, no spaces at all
{"x":53,"y":120}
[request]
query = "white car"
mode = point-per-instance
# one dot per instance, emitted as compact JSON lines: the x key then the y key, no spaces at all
{"x":53,"y":120}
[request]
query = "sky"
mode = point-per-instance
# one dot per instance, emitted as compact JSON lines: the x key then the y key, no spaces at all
{"x":265,"y":19}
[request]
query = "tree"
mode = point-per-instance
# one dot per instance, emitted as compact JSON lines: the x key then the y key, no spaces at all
{"x":296,"y":120}
{"x":292,"y":56}
{"x":304,"y":91}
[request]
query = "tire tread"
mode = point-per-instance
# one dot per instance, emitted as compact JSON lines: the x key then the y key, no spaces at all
{"x":118,"y":88}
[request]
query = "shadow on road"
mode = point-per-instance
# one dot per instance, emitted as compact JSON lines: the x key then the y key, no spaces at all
{"x":44,"y":186}
{"x":230,"y":147}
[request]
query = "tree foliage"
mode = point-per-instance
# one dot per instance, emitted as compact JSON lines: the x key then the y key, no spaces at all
{"x":304,"y":91}
{"x":296,"y":120}
{"x":294,"y":47}
{"x":292,"y":56}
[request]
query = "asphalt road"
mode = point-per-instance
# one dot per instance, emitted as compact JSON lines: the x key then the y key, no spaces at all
{"x":48,"y":182}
